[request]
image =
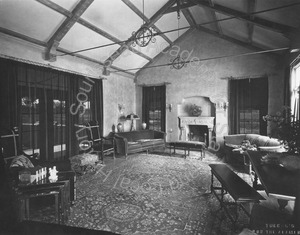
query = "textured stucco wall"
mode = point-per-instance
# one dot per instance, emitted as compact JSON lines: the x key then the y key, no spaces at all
{"x":117,"y":89}
{"x":205,"y":78}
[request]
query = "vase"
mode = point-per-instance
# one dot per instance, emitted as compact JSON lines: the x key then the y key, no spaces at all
{"x":144,"y":125}
{"x":120,"y":127}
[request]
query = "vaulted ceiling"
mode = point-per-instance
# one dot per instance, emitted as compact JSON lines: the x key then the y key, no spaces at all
{"x":102,"y":31}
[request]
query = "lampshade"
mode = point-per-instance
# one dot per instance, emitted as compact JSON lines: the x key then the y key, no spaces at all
{"x":132,"y":116}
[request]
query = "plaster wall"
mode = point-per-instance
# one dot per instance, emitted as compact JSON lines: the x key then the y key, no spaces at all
{"x":208,"y":78}
{"x":117,"y":89}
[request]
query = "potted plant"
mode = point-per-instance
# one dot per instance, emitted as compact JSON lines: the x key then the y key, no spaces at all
{"x":287,"y":129}
{"x":195,"y":110}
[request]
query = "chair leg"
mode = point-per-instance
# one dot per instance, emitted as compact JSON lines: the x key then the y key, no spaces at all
{"x":27,"y":208}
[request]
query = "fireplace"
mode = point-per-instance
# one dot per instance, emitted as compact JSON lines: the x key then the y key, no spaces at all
{"x":196,"y":128}
{"x":198,"y":133}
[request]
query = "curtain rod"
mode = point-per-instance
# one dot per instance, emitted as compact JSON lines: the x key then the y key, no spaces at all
{"x":245,"y":77}
{"x":157,"y":84}
{"x":48,"y":66}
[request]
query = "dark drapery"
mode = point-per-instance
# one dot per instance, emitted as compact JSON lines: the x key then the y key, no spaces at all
{"x":154,"y":107}
{"x":287,"y":92}
{"x":48,"y":107}
{"x":247,"y":94}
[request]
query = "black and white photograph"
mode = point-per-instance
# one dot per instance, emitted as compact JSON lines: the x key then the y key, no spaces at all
{"x":149,"y":117}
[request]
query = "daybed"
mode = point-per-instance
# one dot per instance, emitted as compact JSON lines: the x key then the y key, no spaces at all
{"x":138,"y":141}
{"x":262,"y":143}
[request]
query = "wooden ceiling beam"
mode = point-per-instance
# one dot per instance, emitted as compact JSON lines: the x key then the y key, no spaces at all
{"x":214,"y":15}
{"x":85,"y":23}
{"x":64,"y":28}
{"x":43,"y":44}
{"x":183,"y":6}
{"x":130,"y":40}
{"x":140,"y":14}
{"x":22,"y":36}
{"x":109,"y":36}
{"x":189,"y":17}
{"x":251,"y":9}
{"x":270,"y":25}
{"x":235,"y":41}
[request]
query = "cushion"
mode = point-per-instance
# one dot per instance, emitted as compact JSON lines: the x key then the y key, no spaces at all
{"x":21,"y":161}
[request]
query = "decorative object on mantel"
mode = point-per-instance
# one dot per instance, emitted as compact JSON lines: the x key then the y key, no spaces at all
{"x":287,"y":129}
{"x":144,"y":125}
{"x":195,"y":110}
{"x":132,"y":117}
{"x":144,"y":35}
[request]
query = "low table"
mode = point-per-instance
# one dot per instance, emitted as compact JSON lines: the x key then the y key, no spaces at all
{"x":187,"y":146}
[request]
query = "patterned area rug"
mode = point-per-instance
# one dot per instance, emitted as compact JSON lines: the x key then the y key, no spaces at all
{"x":149,"y":194}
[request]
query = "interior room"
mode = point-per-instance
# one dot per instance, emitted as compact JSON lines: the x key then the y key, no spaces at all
{"x":150,"y":116}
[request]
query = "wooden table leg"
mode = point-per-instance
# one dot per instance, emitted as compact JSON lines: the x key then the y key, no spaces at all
{"x":282,"y":204}
{"x":27,"y":208}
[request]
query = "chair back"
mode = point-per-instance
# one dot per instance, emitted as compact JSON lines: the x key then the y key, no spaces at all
{"x":296,"y":214}
{"x":9,"y":141}
{"x":93,"y":131}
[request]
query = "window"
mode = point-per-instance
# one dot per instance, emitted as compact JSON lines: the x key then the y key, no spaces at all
{"x":47,"y":106}
{"x":154,"y":107}
{"x":294,"y":89}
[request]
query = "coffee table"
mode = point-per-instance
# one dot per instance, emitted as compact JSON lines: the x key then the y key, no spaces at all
{"x":187,"y":146}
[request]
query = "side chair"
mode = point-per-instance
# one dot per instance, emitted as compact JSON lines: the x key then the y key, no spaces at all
{"x":99,"y":144}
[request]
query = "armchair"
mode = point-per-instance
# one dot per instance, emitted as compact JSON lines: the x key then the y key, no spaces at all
{"x":99,"y":144}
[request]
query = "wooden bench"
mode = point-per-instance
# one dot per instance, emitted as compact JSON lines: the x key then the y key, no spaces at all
{"x":187,"y":146}
{"x":236,"y":187}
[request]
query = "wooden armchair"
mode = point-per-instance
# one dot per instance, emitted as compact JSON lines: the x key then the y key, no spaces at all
{"x":99,"y":144}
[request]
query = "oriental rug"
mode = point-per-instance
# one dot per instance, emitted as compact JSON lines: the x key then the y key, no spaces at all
{"x":149,"y":194}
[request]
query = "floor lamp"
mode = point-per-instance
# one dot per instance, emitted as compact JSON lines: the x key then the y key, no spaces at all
{"x":132,"y":117}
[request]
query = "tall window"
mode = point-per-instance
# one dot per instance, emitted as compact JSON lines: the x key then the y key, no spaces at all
{"x":248,"y":102}
{"x":294,"y":88}
{"x":154,"y":107}
{"x":48,"y":107}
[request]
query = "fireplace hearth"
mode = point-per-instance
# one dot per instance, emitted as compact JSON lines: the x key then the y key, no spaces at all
{"x":196,"y":129}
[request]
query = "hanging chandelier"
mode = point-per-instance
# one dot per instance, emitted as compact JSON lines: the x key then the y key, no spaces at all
{"x":144,"y":35}
{"x":178,"y":62}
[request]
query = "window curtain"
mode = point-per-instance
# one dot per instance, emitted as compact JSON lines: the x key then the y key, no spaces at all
{"x":48,"y":107}
{"x":294,"y":91}
{"x":154,"y":107}
{"x":247,"y":94}
{"x":287,"y":92}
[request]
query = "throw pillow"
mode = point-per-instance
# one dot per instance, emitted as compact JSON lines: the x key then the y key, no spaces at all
{"x":21,"y":161}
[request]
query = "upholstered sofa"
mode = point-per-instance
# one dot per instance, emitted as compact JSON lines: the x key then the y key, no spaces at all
{"x":262,"y":143}
{"x":138,"y":141}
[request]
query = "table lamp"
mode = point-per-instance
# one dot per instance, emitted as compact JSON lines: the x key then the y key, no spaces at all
{"x":132,"y":117}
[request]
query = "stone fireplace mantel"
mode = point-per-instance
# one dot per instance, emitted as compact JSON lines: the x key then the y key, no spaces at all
{"x":205,"y":121}
{"x":184,"y":122}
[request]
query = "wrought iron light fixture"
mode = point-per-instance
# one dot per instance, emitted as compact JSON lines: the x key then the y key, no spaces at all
{"x":144,"y":35}
{"x":178,"y":62}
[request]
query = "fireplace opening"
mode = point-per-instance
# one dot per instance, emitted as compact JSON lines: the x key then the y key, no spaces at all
{"x":198,"y":133}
